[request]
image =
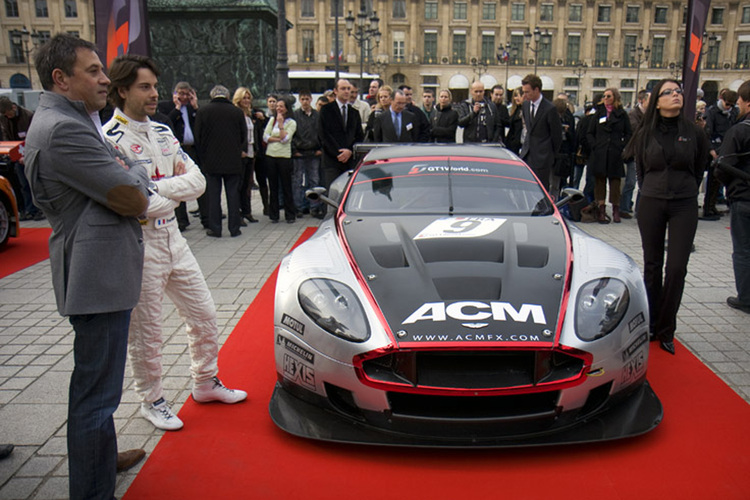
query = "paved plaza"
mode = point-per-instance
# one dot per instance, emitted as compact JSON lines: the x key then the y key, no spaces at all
{"x":36,"y":344}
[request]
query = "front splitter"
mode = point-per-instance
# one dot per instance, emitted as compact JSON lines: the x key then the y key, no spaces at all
{"x":639,"y":413}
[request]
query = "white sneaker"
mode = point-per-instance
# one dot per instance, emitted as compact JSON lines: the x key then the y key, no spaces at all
{"x":214,"y":390}
{"x":161,"y":415}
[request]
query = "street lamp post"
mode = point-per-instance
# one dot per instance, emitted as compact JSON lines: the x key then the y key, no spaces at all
{"x":579,"y":72}
{"x":641,"y":52}
{"x":363,"y":35}
{"x":480,"y":66}
{"x":24,"y":36}
{"x":541,"y":40}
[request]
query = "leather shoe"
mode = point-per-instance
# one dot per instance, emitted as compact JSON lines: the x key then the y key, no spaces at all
{"x":235,"y":233}
{"x":250,"y":219}
{"x":129,"y":459}
{"x":735,"y":303}
{"x":212,"y":234}
{"x":243,"y":223}
{"x":5,"y":450}
{"x":667,"y":346}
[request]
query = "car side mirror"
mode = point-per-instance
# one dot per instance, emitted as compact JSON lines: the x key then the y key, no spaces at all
{"x":319,"y":194}
{"x":569,"y":195}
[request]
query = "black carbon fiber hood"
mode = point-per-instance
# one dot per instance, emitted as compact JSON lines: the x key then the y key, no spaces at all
{"x":449,"y":280}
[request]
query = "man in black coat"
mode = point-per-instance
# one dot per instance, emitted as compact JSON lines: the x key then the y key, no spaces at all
{"x":340,"y":129}
{"x":479,"y":117}
{"x":543,"y":130}
{"x":498,"y":99}
{"x":423,"y":125}
{"x":181,"y":111}
{"x":397,"y":124}
{"x":221,"y":134}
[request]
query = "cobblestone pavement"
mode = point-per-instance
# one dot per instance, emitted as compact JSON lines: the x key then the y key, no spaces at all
{"x":36,"y":343}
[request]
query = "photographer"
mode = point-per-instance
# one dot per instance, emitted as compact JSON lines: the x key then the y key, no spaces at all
{"x":733,"y":156}
{"x":479,"y":117}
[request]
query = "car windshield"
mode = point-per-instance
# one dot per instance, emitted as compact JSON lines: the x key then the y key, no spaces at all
{"x":460,"y":186}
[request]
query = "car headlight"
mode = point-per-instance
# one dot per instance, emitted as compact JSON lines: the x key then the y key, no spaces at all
{"x":601,"y":306}
{"x":335,"y":308}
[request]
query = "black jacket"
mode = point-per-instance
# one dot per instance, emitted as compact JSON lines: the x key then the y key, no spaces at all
{"x":221,"y":137}
{"x":444,"y":124}
{"x":680,"y":177}
{"x":175,"y":115}
{"x":422,"y":123}
{"x":472,"y":123}
{"x":736,"y":140}
{"x":607,"y":138}
{"x":333,"y":136}
{"x":385,"y":131}
{"x":306,"y":141}
{"x":718,"y":124}
{"x":513,"y":139}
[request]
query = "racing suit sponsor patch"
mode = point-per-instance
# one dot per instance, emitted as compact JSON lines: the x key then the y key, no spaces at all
{"x":136,"y":148}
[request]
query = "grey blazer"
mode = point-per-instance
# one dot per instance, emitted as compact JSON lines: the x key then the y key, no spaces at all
{"x":92,"y":203}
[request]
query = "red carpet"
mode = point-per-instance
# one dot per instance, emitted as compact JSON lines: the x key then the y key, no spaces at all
{"x":699,"y":451}
{"x":30,"y":248}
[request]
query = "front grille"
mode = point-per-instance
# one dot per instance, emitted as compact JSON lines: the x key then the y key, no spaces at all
{"x":525,"y":406}
{"x":474,"y":369}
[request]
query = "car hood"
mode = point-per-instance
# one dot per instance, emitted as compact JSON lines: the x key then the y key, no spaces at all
{"x":463,"y":280}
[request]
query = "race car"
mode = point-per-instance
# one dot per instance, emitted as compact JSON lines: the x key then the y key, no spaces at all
{"x":9,"y":220}
{"x":446,"y":302}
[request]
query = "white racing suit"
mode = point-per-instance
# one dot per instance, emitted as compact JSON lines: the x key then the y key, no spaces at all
{"x":169,"y":265}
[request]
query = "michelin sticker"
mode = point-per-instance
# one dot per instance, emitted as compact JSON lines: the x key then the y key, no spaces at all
{"x":460,"y":227}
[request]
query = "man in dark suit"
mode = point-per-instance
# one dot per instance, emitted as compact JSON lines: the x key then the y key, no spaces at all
{"x":424,"y":128}
{"x":221,"y":134}
{"x":340,"y":128}
{"x":92,"y":199}
{"x":397,"y":124}
{"x":543,"y":130}
{"x":498,"y":99}
{"x":181,"y":110}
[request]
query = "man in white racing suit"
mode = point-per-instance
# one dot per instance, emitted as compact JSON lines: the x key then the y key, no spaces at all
{"x":169,"y":265}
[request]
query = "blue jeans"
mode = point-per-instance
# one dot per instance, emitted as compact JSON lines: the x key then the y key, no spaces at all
{"x":626,"y":200}
{"x":306,"y":175}
{"x":28,"y":202}
{"x":99,"y":350}
{"x":740,"y":229}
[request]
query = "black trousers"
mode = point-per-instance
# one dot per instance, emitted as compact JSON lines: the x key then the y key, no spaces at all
{"x":678,"y":221}
{"x":246,"y":188}
{"x":213,"y":191}
{"x":279,"y":172}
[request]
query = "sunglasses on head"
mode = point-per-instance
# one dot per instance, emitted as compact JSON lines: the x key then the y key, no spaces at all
{"x":677,"y":91}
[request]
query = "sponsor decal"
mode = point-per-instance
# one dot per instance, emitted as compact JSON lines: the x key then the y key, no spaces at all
{"x":164,"y":145}
{"x":293,"y":324}
{"x":460,"y":227}
{"x":632,"y":348}
{"x":295,"y":348}
{"x":473,"y":311}
{"x":444,"y":169}
{"x":136,"y":148}
{"x":475,"y":337}
{"x":297,"y":371}
{"x":634,"y":367}
{"x":121,"y":119}
{"x":636,"y":322}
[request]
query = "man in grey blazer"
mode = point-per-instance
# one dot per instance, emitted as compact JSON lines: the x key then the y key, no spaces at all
{"x":543,"y":130}
{"x":92,"y":200}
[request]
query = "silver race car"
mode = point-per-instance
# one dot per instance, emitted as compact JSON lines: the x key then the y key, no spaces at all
{"x":446,"y":302}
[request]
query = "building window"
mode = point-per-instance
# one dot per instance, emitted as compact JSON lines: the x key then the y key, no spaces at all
{"x":627,"y":83}
{"x":628,"y":51}
{"x":684,"y":16}
{"x":430,"y":81}
{"x":41,"y":8}
{"x":743,"y":55}
{"x":575,"y":13}
{"x":518,"y":12}
{"x":398,"y":79}
{"x":604,"y":14}
{"x":600,"y":83}
{"x":745,"y":15}
{"x":16,"y":52}
{"x":547,"y":12}
{"x":11,"y":8}
{"x":660,"y":15}
{"x":459,"y":48}
{"x":571,"y":82}
{"x":574,"y":50}
{"x":602,"y":47}
{"x":74,"y":33}
{"x":489,"y":11}
{"x":431,"y":10}
{"x":399,"y":9}
{"x":516,"y":49}
{"x":71,"y":8}
{"x":399,"y":46}
{"x":459,"y":11}
{"x":340,"y":12}
{"x":545,"y":54}
{"x":712,"y":57}
{"x":44,"y":36}
{"x":307,"y":8}
{"x":488,"y":49}
{"x":308,"y":45}
{"x":430,"y":48}
{"x":717,"y":15}
{"x":633,"y":13}
{"x":657,"y":53}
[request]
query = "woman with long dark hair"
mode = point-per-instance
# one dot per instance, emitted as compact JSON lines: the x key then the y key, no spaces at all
{"x":670,"y":153}
{"x":607,"y":135}
{"x":278,"y":134}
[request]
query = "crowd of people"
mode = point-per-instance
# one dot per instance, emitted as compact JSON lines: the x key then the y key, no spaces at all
{"x":115,"y":185}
